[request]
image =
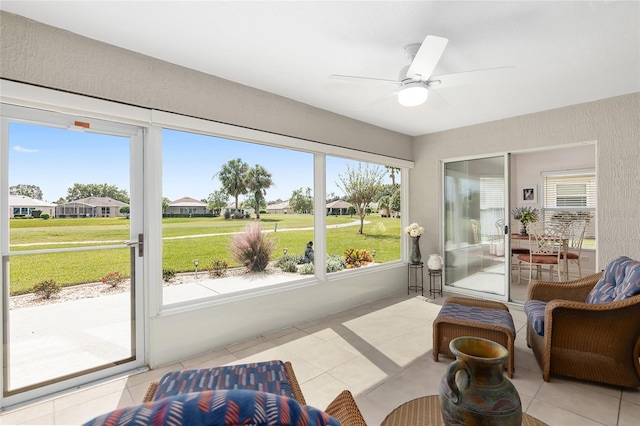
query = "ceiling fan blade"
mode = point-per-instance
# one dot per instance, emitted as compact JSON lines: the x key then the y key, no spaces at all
{"x":427,"y":58}
{"x":467,"y":77}
{"x":363,"y":79}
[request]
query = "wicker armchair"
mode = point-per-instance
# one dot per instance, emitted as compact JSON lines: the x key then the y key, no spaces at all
{"x":343,"y":407}
{"x":598,"y":342}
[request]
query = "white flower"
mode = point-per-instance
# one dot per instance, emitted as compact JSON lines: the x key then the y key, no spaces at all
{"x":414,"y":230}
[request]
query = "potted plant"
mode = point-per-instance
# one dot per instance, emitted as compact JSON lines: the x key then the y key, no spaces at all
{"x":525,"y":215}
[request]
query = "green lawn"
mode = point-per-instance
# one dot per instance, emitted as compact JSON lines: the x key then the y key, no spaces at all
{"x":71,"y":268}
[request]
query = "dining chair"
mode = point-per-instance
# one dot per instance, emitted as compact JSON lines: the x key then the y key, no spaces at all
{"x":545,"y":243}
{"x":575,"y":235}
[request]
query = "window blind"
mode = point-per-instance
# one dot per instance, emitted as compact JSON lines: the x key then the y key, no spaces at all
{"x":569,"y":196}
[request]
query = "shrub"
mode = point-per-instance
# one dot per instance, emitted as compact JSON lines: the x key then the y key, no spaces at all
{"x":45,"y":216}
{"x":307,"y":269}
{"x":238,"y":215}
{"x":227,"y":215}
{"x":335,"y":263}
{"x":289,"y":266}
{"x":356,"y":258}
{"x":46,"y":289}
{"x":218,"y":268}
{"x":168,"y":274}
{"x":112,"y":278}
{"x":252,"y":248}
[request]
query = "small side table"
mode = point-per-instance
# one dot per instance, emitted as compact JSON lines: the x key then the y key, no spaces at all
{"x":433,"y":284}
{"x":416,"y":268}
{"x":426,"y":411}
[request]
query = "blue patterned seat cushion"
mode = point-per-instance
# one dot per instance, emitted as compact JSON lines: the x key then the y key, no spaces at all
{"x":620,"y":280}
{"x":534,"y":309}
{"x":268,"y":376}
{"x":218,"y":408}
{"x":474,"y":313}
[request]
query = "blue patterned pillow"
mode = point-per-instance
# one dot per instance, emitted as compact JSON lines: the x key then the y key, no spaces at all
{"x":630,"y":285}
{"x":534,"y":309}
{"x":218,"y":408}
{"x":618,"y":281}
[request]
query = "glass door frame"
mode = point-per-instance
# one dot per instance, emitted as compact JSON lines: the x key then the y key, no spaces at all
{"x":135,"y":133}
{"x":506,"y":240}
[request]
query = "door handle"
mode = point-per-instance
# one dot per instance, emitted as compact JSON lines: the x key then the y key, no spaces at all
{"x":139,"y":244}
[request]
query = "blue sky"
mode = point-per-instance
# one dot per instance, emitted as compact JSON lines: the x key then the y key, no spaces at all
{"x":54,"y":159}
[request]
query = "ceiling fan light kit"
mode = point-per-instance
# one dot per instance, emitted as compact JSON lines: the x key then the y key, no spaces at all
{"x":413,"y":94}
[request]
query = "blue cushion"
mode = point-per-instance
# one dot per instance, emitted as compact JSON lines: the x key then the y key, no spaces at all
{"x":474,"y":313}
{"x":266,"y":376}
{"x":620,"y":279}
{"x":534,"y":309}
{"x":218,"y":408}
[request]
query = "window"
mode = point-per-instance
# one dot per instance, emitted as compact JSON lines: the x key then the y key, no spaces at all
{"x":571,"y":195}
{"x":363,"y":213}
{"x":241,"y":182}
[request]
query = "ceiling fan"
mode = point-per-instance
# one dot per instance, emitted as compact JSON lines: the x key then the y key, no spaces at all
{"x":415,"y":79}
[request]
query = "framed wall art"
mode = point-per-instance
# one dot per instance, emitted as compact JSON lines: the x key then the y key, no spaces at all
{"x":529,"y":194}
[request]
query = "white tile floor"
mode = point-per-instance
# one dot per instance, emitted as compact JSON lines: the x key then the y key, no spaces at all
{"x":381,"y":352}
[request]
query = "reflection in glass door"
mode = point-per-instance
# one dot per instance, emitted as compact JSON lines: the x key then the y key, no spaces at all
{"x":475,"y":212}
{"x":71,"y":258}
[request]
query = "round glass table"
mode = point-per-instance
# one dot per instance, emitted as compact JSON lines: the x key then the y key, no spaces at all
{"x":425,"y":411}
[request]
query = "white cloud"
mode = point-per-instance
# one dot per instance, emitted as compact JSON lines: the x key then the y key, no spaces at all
{"x":22,"y":149}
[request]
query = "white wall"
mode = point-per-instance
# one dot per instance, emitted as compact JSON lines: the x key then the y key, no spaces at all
{"x":614,"y":124}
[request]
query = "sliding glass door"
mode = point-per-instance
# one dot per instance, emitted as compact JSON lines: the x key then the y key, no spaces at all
{"x":72,"y":247}
{"x":475,"y":214}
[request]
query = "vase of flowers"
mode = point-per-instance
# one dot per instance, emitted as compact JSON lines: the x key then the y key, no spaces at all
{"x":525,"y":215}
{"x":414,"y":230}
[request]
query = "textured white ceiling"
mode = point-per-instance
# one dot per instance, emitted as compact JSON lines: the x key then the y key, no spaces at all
{"x":562,"y":53}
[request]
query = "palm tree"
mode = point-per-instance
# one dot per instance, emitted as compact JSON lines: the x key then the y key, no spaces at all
{"x":233,"y":177}
{"x":258,"y":181}
{"x":392,"y":174}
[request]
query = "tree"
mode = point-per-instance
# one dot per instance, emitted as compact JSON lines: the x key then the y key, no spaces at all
{"x":393,"y":171}
{"x":125,"y":210}
{"x":233,"y":177}
{"x":395,"y":202}
{"x":301,"y":201}
{"x":165,"y":204}
{"x":361,"y":187}
{"x":217,"y":201}
{"x":79,"y":190}
{"x":31,"y":191}
{"x":258,"y":181}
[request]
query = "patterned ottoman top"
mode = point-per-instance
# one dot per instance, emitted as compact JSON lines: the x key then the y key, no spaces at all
{"x":269,"y":376}
{"x":477,"y":314}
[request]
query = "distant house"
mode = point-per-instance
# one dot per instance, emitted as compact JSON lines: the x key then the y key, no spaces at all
{"x":187,"y":205}
{"x":279,"y":208}
{"x":91,"y":207}
{"x":22,"y":206}
{"x":231,"y":208}
{"x":338,"y":207}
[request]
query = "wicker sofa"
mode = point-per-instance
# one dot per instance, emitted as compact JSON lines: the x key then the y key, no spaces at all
{"x":584,"y":338}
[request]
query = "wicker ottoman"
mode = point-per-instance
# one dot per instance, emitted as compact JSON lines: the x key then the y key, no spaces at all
{"x":461,"y":316}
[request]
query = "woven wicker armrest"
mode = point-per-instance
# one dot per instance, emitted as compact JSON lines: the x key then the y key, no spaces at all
{"x":479,"y":303}
{"x":345,"y":409}
{"x":576,"y":290}
{"x":293,"y":382}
